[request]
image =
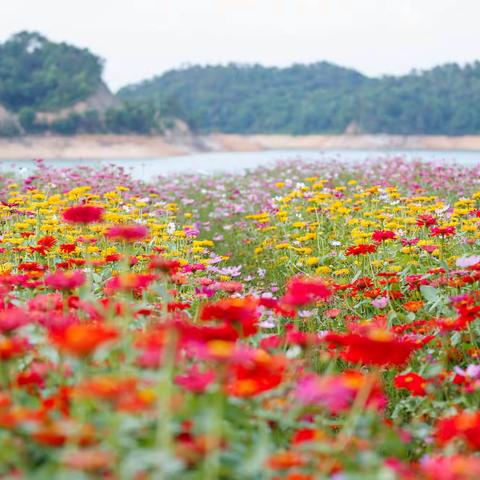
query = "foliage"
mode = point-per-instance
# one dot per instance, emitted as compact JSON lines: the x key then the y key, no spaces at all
{"x":42,"y":75}
{"x":136,"y":117}
{"x":9,"y":129}
{"x":317,"y":98}
{"x":38,"y":75}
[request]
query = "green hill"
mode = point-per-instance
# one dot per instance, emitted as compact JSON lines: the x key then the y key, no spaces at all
{"x":43,"y":75}
{"x":317,"y":98}
{"x":56,"y":87}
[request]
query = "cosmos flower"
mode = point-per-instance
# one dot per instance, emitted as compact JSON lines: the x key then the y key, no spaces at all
{"x":465,"y":262}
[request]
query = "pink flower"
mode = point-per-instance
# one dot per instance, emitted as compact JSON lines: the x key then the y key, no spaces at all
{"x":382,"y":235}
{"x":380,"y":302}
{"x":127,"y":233}
{"x":61,"y":280}
{"x":336,"y":393}
{"x":194,"y":380}
{"x":83,"y":214}
{"x":465,"y":262}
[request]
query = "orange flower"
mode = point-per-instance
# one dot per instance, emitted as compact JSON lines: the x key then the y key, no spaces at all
{"x":413,"y":306}
{"x":261,"y":373}
{"x":284,"y":460}
{"x":81,"y":339}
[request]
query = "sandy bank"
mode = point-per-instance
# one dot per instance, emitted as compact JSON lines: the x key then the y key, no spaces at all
{"x":131,"y":146}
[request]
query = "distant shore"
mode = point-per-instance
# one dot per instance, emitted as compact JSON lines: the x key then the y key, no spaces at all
{"x":133,"y":146}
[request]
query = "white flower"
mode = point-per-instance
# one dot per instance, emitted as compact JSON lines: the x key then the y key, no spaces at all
{"x":465,"y":262}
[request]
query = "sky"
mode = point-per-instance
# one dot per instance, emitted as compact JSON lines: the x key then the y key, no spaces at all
{"x":142,"y":38}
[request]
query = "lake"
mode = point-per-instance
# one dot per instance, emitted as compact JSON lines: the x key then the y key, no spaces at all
{"x":236,"y":162}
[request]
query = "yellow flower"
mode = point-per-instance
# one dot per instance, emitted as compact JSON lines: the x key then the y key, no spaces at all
{"x":312,"y":261}
{"x":6,"y":268}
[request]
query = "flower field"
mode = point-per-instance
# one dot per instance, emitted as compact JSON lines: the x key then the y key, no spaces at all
{"x":304,"y":321}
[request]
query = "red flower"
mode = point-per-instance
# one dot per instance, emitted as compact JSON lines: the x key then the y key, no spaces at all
{"x":382,"y":235}
{"x":83,"y":214}
{"x":465,"y":425}
{"x":127,"y":233}
{"x":361,"y":249}
{"x":164,"y":265}
{"x":240,"y":313}
{"x":67,"y":247}
{"x":12,"y":347}
{"x":129,"y":282}
{"x":376,"y":347}
{"x":47,"y":242}
{"x":303,"y":291}
{"x":260,"y":373}
{"x":32,"y":267}
{"x":61,"y":280}
{"x":442,"y":231}
{"x":413,"y":382}
{"x":426,"y":220}
{"x":81,"y":339}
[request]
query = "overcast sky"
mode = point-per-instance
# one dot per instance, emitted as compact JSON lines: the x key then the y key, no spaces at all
{"x":141,"y":38}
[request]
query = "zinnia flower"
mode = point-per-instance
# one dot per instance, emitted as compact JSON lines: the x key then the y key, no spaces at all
{"x":361,"y":249}
{"x":382,"y":235}
{"x":303,"y":291}
{"x":81,"y":339}
{"x":83,"y":214}
{"x":127,"y":233}
{"x":376,"y":347}
{"x":69,"y":280}
{"x":412,"y":382}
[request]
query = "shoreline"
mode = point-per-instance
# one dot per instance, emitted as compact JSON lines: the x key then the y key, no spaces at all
{"x":136,"y":146}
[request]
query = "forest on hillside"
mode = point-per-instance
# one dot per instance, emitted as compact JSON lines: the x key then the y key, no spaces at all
{"x":42,"y":84}
{"x":316,"y":98}
{"x":48,"y":87}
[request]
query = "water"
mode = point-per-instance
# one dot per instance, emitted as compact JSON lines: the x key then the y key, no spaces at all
{"x":235,"y":162}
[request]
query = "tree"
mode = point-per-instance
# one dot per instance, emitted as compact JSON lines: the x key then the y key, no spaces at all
{"x":26,"y":117}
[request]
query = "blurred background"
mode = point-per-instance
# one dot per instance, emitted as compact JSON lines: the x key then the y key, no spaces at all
{"x":219,"y":80}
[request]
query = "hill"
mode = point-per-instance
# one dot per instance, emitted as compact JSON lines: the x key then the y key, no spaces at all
{"x":48,"y":87}
{"x":56,"y":88}
{"x":317,"y":98}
